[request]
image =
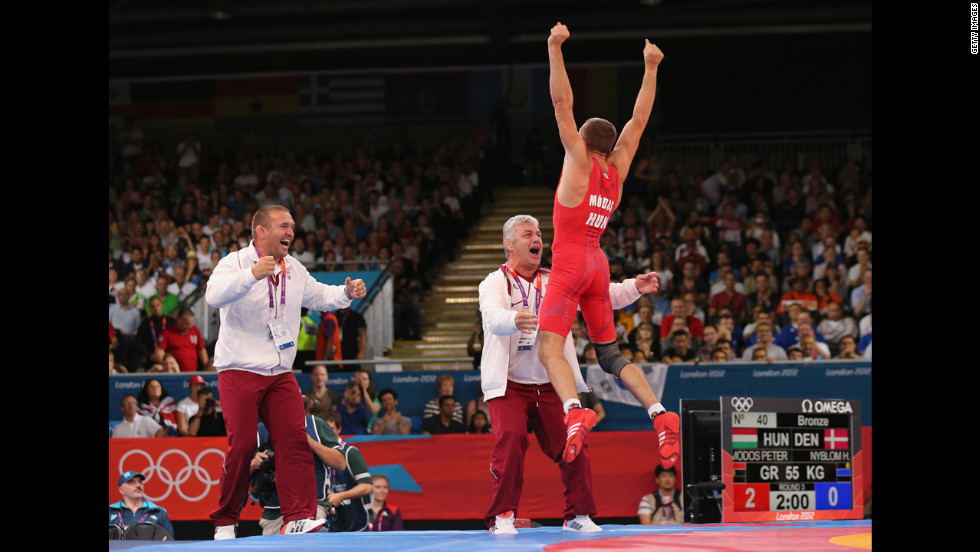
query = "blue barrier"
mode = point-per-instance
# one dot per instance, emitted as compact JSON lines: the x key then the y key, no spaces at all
{"x":839,"y":380}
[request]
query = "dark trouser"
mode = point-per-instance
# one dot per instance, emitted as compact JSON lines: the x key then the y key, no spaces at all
{"x":244,"y":397}
{"x":509,"y":416}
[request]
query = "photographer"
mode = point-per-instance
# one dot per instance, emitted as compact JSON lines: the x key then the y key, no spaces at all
{"x":209,"y":421}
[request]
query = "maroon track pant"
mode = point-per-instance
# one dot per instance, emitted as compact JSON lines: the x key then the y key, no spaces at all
{"x":509,"y":417}
{"x":245,"y":396}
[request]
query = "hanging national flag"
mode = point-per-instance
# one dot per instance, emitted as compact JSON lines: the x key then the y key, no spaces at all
{"x":609,"y":388}
{"x":341,"y":98}
{"x":745,"y":437}
{"x":835,"y":439}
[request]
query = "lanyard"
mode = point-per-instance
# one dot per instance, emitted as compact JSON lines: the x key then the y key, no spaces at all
{"x":282,"y":298}
{"x":517,"y":280}
{"x":154,"y":331}
{"x":123,"y":523}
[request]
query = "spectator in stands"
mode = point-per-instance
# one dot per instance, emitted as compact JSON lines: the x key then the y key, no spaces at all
{"x":185,"y":342}
{"x":352,"y":411}
{"x":209,"y":420}
{"x":645,"y":341}
{"x":835,"y":326}
{"x":681,"y":350}
{"x":445,"y":385}
{"x":125,"y":319}
{"x":763,"y":333}
{"x":719,"y":355}
{"x":134,"y":424}
{"x":795,"y":353}
{"x":848,"y":349}
{"x":156,"y":402}
{"x":798,"y":295}
{"x":835,"y":282}
{"x":760,"y":355}
{"x":188,"y":406}
{"x":691,"y":280}
{"x":319,"y":397}
{"x":480,"y":423}
{"x":861,"y":296}
{"x":729,"y":297}
{"x":353,"y":334}
{"x":761,"y":316}
{"x":665,"y":505}
{"x":387,"y":517}
{"x":855,"y":274}
{"x":808,"y":346}
{"x":825,"y":297}
{"x":182,"y":287}
{"x":728,"y":330}
{"x":710,"y":343}
{"x":679,"y":309}
{"x":764,"y":295}
{"x":391,"y":422}
{"x":445,"y":422}
{"x":134,"y":507}
{"x":170,"y":301}
{"x":168,"y":365}
{"x":368,"y":395}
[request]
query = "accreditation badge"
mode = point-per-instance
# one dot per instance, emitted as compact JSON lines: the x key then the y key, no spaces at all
{"x":525,"y":341}
{"x":280,"y":334}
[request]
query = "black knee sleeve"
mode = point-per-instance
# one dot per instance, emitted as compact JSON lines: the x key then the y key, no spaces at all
{"x":610,"y":359}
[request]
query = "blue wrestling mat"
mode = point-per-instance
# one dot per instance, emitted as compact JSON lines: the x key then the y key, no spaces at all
{"x":815,"y":536}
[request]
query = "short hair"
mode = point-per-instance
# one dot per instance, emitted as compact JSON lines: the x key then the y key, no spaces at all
{"x":261,"y":217}
{"x":378,"y":476}
{"x":512,"y":223}
{"x":599,"y":134}
{"x":185,"y":311}
{"x":331,"y":415}
{"x":444,"y":378}
{"x":384,"y":392}
{"x":445,"y":398}
{"x":123,"y":400}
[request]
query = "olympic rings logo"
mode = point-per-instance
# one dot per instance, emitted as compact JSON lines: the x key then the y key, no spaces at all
{"x":173,"y":483}
{"x":742,"y":404}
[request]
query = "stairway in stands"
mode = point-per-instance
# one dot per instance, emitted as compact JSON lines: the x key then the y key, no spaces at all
{"x":449,"y":309}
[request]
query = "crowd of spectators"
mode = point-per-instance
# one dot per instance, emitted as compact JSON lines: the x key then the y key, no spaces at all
{"x":174,"y":215}
{"x":756,"y":258}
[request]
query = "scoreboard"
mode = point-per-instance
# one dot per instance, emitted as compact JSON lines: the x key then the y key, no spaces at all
{"x":791,"y":459}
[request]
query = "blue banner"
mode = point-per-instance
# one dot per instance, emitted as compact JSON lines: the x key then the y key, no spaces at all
{"x":838,"y":380}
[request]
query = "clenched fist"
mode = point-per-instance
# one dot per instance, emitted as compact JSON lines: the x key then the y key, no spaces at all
{"x":559,"y":34}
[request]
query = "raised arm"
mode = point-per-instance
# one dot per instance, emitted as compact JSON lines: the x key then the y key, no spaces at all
{"x":576,"y":154}
{"x":629,"y":139}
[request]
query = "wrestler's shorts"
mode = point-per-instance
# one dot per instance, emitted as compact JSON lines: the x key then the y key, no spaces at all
{"x":582,"y":282}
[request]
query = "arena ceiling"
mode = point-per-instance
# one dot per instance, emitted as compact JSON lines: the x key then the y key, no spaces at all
{"x":167,"y":38}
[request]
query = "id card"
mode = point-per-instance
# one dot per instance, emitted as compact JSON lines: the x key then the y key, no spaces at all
{"x":525,"y":341}
{"x":280,"y":333}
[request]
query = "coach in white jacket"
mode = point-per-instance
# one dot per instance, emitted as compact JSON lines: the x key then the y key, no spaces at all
{"x":260,"y":291}
{"x":515,"y":383}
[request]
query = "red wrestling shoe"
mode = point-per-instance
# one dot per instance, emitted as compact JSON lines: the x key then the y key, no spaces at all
{"x":667,"y":425}
{"x":578,"y":421}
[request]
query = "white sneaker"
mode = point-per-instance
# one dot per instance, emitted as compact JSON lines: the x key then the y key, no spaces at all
{"x":504,"y":524}
{"x":224,"y":532}
{"x":300,"y":526}
{"x":582,"y":524}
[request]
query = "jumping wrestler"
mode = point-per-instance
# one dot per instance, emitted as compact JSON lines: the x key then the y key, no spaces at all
{"x":589,"y":191}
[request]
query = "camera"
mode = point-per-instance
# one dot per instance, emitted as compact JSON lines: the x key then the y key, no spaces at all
{"x":210,"y":403}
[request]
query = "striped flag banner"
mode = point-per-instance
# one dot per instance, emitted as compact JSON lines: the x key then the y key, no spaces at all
{"x":609,"y":388}
{"x":341,"y":98}
{"x":835,"y":439}
{"x":745,"y":437}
